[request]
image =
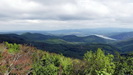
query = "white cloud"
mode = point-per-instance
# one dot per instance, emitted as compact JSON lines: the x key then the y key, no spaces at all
{"x":18,"y":5}
{"x":65,"y":14}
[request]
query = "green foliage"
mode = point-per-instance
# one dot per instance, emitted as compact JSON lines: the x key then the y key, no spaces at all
{"x":66,"y":65}
{"x":37,"y":62}
{"x":124,"y":65}
{"x":99,"y":62}
{"x":52,"y":64}
{"x":56,"y":41}
{"x":102,"y":73}
{"x":12,"y":48}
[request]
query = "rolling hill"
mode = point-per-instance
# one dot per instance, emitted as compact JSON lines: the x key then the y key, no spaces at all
{"x":70,"y":45}
{"x":126,"y":45}
{"x":12,"y":38}
{"x":123,"y":36}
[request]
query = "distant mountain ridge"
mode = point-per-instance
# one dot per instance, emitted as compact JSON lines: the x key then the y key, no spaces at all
{"x":59,"y":44}
{"x":70,"y":44}
{"x":123,"y":36}
{"x":125,"y":46}
{"x":11,"y":38}
{"x":78,"y":32}
{"x":86,"y":32}
{"x":69,"y":38}
{"x":36,"y":36}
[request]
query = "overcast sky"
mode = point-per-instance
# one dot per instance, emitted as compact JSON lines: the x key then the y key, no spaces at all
{"x":65,"y":14}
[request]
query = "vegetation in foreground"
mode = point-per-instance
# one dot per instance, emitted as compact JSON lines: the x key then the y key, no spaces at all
{"x":18,"y":59}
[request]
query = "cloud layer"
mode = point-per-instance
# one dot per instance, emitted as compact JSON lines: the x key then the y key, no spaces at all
{"x":64,"y":14}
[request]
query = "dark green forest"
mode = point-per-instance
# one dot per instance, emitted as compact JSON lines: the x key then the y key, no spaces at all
{"x":69,"y":45}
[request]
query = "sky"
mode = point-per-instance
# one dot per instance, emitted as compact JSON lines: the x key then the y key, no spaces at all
{"x":65,"y":14}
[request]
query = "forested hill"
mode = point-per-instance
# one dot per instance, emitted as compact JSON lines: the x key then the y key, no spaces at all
{"x":123,"y":36}
{"x":68,"y":45}
{"x":12,"y":38}
{"x":16,"y":59}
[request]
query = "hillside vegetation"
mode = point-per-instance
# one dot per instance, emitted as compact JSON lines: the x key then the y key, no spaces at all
{"x":16,"y":59}
{"x":69,"y":45}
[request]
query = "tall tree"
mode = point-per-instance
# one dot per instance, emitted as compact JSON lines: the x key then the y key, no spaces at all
{"x":98,"y":62}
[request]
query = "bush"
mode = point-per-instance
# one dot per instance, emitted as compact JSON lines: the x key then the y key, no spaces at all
{"x":12,"y":48}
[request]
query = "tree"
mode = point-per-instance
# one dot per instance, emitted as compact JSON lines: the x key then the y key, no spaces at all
{"x":124,"y":65}
{"x":99,"y":62}
{"x":51,"y":64}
